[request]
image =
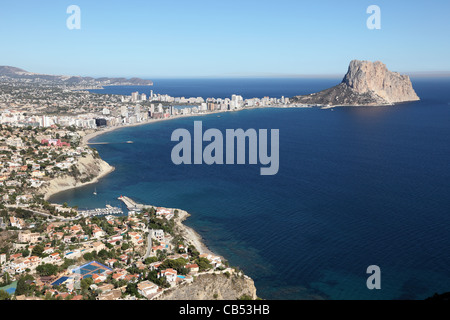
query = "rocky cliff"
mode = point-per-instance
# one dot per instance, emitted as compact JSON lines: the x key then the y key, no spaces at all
{"x":365,"y":84}
{"x":89,"y":170}
{"x":213,"y":287}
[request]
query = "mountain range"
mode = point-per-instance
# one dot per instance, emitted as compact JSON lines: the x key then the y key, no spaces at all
{"x":17,"y":74}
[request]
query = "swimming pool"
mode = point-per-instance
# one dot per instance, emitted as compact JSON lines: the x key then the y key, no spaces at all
{"x":10,"y":289}
{"x":89,"y":269}
{"x":60,"y":281}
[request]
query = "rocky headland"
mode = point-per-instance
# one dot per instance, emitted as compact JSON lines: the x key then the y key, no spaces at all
{"x":89,"y":170}
{"x":214,"y":286}
{"x":365,"y":84}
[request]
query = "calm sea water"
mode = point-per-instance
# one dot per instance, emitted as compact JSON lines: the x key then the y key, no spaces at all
{"x":356,"y":187}
{"x":224,"y":88}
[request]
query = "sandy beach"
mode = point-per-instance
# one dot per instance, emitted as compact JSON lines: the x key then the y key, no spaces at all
{"x":86,"y":139}
{"x":60,"y":184}
{"x":188,"y":233}
{"x":63,"y":184}
{"x":66,"y":183}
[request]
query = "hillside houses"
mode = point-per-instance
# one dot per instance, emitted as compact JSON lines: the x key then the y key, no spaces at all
{"x":17,"y":223}
{"x":148,"y":289}
{"x":164,"y":213}
{"x":27,"y":164}
{"x":119,"y":248}
{"x":29,"y":237}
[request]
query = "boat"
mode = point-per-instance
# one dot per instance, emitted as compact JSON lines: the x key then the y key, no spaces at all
{"x":95,"y":191}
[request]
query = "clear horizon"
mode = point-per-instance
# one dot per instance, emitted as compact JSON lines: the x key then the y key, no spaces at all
{"x":204,"y":39}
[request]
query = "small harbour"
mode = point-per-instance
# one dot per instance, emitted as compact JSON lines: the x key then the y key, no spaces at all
{"x":108,"y":210}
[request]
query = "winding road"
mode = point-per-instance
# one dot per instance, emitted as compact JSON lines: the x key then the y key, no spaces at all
{"x":149,"y":245}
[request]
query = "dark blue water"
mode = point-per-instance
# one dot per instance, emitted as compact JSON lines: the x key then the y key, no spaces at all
{"x":356,"y":187}
{"x":224,"y":88}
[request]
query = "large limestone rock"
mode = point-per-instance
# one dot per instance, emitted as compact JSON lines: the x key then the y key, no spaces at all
{"x":213,"y":287}
{"x":365,"y":83}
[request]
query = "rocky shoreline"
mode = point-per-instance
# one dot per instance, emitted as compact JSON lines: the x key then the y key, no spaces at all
{"x":190,"y":234}
{"x":89,"y":165}
{"x":229,"y":282}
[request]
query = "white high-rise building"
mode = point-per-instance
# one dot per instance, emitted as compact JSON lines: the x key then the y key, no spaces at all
{"x":124,"y":111}
{"x":237,"y":102}
{"x":46,"y":121}
{"x":137,"y":112}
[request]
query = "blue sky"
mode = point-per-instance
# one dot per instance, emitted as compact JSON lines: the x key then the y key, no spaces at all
{"x":215,"y":38}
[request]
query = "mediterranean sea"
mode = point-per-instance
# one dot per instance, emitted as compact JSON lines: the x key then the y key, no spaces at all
{"x":357,"y":186}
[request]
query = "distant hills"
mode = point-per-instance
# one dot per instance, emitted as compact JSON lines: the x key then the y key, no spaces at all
{"x":17,"y":74}
{"x":366,"y":83}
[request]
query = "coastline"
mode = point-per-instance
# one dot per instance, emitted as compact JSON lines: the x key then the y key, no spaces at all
{"x":107,"y":168}
{"x":53,"y":191}
{"x":190,"y":235}
{"x":88,"y":137}
{"x":65,"y":183}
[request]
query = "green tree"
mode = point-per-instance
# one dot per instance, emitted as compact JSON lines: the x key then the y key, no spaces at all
{"x":86,"y":283}
{"x":4,"y":295}
{"x":132,"y":290}
{"x":161,"y":281}
{"x":245,"y":297}
{"x":88,"y":256}
{"x":177,"y":264}
{"x":150,"y":260}
{"x":38,"y":250}
{"x":47,"y":269}
{"x":103,"y":254}
{"x":203,"y":264}
{"x":24,"y":286}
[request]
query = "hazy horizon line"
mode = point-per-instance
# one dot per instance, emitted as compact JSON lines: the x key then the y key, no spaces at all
{"x":417,"y":74}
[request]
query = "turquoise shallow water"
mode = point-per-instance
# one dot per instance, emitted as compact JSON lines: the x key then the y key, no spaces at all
{"x":356,"y":187}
